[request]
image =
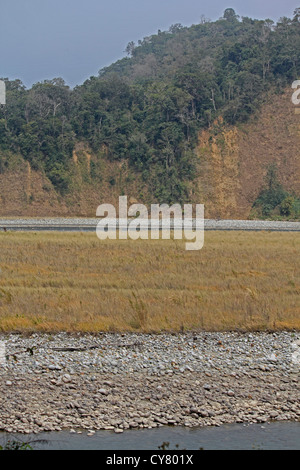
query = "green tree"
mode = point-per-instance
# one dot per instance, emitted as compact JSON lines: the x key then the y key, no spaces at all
{"x":230,"y":14}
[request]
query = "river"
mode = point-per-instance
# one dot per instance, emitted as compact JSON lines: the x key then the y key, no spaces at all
{"x":272,"y":436}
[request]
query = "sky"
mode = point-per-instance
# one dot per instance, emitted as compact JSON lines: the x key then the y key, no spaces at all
{"x":74,"y":39}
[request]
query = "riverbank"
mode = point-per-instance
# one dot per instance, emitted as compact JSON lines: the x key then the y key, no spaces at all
{"x":133,"y":381}
{"x":283,"y":435}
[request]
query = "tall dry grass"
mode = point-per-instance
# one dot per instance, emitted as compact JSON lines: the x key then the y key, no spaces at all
{"x":75,"y":282}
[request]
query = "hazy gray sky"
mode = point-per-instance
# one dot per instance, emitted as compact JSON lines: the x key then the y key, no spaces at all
{"x":73,"y":39}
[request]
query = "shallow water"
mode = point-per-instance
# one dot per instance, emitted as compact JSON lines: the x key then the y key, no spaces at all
{"x":273,"y":436}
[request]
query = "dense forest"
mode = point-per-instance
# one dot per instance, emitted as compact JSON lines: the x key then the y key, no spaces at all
{"x":149,"y":107}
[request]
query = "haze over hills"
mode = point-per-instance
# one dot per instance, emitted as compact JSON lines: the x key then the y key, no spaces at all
{"x":200,"y":114}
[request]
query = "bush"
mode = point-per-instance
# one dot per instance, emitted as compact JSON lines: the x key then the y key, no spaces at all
{"x":286,"y":207}
{"x":274,"y":200}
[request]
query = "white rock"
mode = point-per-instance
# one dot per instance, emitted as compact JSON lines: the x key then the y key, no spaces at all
{"x":272,"y":358}
{"x":2,"y":354}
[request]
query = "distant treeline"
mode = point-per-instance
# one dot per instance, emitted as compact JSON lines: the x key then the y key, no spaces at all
{"x":149,"y":107}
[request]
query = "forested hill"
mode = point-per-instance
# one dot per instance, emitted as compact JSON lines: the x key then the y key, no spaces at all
{"x":136,"y":126}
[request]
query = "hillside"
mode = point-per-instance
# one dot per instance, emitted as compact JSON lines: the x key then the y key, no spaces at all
{"x":233,"y":162}
{"x":200,"y":114}
{"x":235,"y":159}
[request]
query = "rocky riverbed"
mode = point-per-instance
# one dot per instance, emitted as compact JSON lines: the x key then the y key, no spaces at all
{"x":90,"y":224}
{"x":117,"y":382}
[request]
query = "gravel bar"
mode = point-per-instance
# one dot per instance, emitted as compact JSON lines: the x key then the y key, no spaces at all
{"x":130,"y":381}
{"x":85,"y":224}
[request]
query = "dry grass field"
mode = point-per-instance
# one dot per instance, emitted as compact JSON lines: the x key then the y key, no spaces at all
{"x":74,"y":282}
